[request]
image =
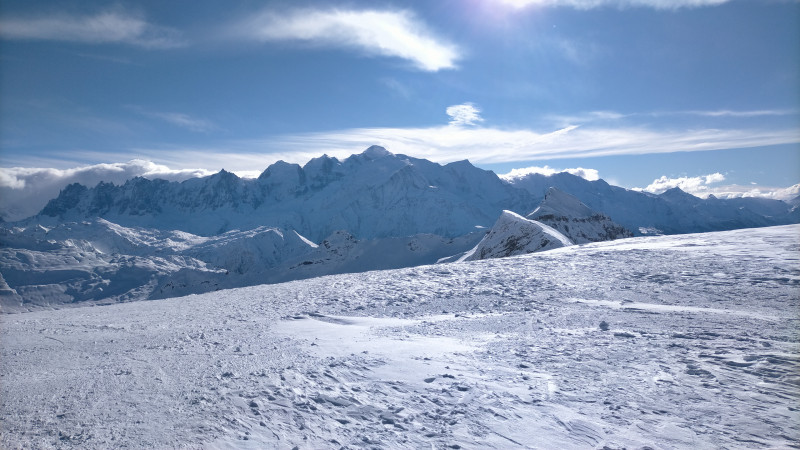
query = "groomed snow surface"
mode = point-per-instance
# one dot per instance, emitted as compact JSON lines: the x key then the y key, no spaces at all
{"x":686,"y":341}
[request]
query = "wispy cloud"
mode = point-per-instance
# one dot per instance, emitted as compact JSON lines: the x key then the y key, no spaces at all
{"x":494,"y":145}
{"x":398,"y":87}
{"x":386,"y":33}
{"x":456,"y":140}
{"x":464,"y":114}
{"x":587,"y":174}
{"x":729,"y":113}
{"x":114,"y":26}
{"x":587,"y":117}
{"x":591,"y":4}
{"x":178,"y":119}
{"x":598,"y":116}
{"x":453,"y":141}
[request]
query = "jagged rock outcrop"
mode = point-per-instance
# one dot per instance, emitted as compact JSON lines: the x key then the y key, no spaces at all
{"x":514,"y":235}
{"x":575,"y":220}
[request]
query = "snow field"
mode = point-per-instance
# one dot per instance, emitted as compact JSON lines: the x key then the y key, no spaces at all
{"x":685,"y":341}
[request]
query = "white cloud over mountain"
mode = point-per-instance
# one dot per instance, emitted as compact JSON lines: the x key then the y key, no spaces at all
{"x":692,"y":185}
{"x":705,"y":185}
{"x":776,"y":193}
{"x":389,"y":33}
{"x":25,"y":191}
{"x":587,"y":174}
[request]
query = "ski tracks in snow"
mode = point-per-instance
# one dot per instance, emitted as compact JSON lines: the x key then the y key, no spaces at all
{"x":669,"y":342}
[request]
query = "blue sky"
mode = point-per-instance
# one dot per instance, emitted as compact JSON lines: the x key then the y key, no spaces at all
{"x":703,"y":94}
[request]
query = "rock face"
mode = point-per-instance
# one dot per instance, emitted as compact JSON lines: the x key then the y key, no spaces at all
{"x":514,"y":235}
{"x":575,"y":220}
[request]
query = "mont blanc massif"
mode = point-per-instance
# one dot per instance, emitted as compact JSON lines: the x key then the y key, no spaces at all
{"x":385,"y":301}
{"x":150,"y":239}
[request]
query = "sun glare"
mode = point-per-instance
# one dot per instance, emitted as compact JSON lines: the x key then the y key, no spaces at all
{"x":519,"y":3}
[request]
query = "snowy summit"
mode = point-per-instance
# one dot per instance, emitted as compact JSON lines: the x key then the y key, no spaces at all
{"x":514,"y":235}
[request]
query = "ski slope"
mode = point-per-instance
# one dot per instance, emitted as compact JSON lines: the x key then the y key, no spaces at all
{"x":688,"y":341}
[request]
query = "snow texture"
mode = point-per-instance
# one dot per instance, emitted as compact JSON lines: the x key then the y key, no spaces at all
{"x":686,"y":341}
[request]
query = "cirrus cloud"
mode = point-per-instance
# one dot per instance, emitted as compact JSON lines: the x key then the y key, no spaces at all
{"x":591,"y":4}
{"x":389,"y":33}
{"x":495,"y":145}
{"x":114,"y":26}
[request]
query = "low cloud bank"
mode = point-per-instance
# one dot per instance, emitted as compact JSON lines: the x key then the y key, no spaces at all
{"x":25,"y":191}
{"x":587,"y":174}
{"x":706,"y":185}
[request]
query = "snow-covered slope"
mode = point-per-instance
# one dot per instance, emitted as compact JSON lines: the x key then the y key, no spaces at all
{"x":90,"y":261}
{"x":575,"y":220}
{"x":686,"y":341}
{"x":672,"y":212}
{"x":514,"y":235}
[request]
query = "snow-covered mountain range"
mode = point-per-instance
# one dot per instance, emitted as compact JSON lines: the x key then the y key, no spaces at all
{"x":672,"y":212}
{"x":374,"y":194}
{"x":375,"y":210}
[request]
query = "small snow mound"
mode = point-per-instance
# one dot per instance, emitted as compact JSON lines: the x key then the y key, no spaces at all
{"x":513,"y":235}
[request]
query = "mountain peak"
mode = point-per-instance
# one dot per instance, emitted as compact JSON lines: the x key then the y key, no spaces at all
{"x":558,"y":203}
{"x":375,"y":152}
{"x":224,"y":174}
{"x":281,"y":169}
{"x":575,"y":220}
{"x":513,"y":235}
{"x":678,"y":194}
